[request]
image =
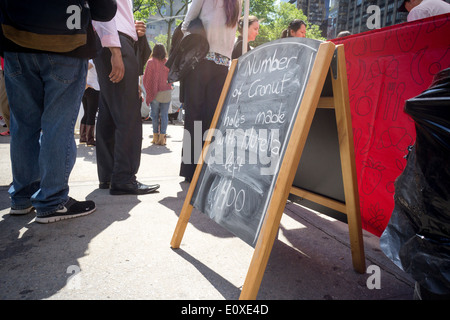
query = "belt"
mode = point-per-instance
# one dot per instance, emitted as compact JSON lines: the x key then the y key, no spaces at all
{"x":127,"y":36}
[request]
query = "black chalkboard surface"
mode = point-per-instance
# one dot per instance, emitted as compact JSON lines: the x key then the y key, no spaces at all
{"x":242,"y":163}
{"x":260,"y":128}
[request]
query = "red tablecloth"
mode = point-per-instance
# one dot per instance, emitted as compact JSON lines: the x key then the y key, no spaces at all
{"x":385,"y":67}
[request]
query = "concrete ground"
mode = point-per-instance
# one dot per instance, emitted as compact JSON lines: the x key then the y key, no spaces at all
{"x":122,"y":250}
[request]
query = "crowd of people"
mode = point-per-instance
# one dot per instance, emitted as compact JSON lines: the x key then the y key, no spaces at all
{"x":102,"y":73}
{"x":96,"y":64}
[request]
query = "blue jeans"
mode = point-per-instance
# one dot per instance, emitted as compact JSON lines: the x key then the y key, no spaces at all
{"x":44,"y":93}
{"x":160,"y":109}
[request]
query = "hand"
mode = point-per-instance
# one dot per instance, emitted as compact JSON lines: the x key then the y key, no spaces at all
{"x":140,"y":28}
{"x":117,"y":66}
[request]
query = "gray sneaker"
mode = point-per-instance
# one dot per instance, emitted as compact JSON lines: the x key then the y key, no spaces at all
{"x":71,"y":209}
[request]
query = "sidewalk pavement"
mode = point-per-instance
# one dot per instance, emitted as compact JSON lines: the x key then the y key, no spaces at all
{"x":122,"y":250}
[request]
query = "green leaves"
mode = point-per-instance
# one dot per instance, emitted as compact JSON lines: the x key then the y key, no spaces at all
{"x":275,"y":18}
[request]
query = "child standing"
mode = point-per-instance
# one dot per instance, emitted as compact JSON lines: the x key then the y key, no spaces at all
{"x":159,"y":92}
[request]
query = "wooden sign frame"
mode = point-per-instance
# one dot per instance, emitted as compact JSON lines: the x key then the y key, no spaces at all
{"x":330,"y":58}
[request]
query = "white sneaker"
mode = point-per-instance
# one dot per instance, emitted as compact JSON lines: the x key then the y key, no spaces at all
{"x":18,"y":212}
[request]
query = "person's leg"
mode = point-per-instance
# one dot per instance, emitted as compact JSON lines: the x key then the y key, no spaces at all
{"x":91,"y":111}
{"x":106,"y":128}
{"x":119,"y":138}
{"x":44,"y":146}
{"x":83,"y":128}
{"x":155,"y":110}
{"x":217,"y":75}
{"x":202,"y":89}
{"x":104,"y":145}
{"x":4,"y":105}
{"x":154,"y":114}
{"x":194,"y":96}
{"x":64,"y":80}
{"x":92,"y":105}
{"x":26,"y":99}
{"x":164,"y":113}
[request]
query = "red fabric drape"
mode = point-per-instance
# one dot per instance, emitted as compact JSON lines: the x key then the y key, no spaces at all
{"x":385,"y":67}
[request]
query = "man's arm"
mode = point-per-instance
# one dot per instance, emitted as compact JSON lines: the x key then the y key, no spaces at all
{"x":117,"y":66}
{"x":140,"y":28}
{"x":109,"y":37}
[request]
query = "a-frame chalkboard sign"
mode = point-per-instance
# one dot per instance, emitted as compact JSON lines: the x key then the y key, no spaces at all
{"x":254,"y":146}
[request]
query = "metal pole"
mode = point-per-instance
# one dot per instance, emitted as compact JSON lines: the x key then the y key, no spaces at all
{"x":245,"y":29}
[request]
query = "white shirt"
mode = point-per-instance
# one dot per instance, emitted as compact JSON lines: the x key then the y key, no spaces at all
{"x":428,"y":8}
{"x":123,"y":22}
{"x":211,"y":12}
{"x":91,"y":79}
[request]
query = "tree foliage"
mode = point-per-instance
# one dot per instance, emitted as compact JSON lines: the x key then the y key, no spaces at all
{"x":166,"y":10}
{"x":274,"y":17}
{"x":142,"y":9}
{"x":263,"y":9}
{"x":274,"y":22}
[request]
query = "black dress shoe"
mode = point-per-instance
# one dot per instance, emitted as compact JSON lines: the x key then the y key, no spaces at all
{"x":104,"y":185}
{"x":132,"y":188}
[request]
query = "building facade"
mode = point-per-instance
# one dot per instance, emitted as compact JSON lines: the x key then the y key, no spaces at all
{"x":362,"y":15}
{"x":355,"y":16}
{"x":316,"y":11}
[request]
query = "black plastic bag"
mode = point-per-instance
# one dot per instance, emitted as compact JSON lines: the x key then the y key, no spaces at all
{"x":417,"y":238}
